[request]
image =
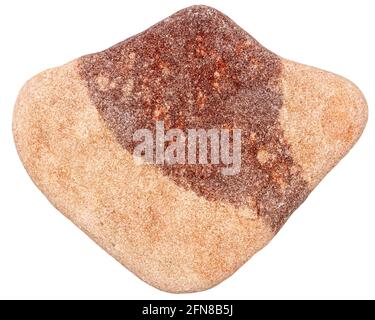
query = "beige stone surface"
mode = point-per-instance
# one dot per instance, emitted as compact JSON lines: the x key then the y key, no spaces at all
{"x":323,"y":115}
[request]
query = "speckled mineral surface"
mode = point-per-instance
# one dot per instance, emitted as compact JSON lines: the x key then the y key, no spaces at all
{"x":184,"y":226}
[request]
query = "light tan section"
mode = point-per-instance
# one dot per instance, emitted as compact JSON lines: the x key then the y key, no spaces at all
{"x":169,"y":237}
{"x":322,"y":116}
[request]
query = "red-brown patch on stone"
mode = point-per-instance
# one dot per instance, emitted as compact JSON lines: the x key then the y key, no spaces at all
{"x":198,"y":69}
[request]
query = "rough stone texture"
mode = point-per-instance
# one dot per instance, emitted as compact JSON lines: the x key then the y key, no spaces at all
{"x":184,"y":228}
{"x":198,"y":69}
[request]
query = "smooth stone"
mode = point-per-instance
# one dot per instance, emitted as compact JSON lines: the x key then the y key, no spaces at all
{"x":182,"y":227}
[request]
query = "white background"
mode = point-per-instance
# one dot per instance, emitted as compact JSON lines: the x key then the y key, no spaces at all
{"x":326,"y":249}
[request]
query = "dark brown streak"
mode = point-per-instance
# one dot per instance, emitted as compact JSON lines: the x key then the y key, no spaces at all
{"x":198,"y":69}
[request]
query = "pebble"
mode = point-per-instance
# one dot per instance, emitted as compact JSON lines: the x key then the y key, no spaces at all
{"x":181,"y":225}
